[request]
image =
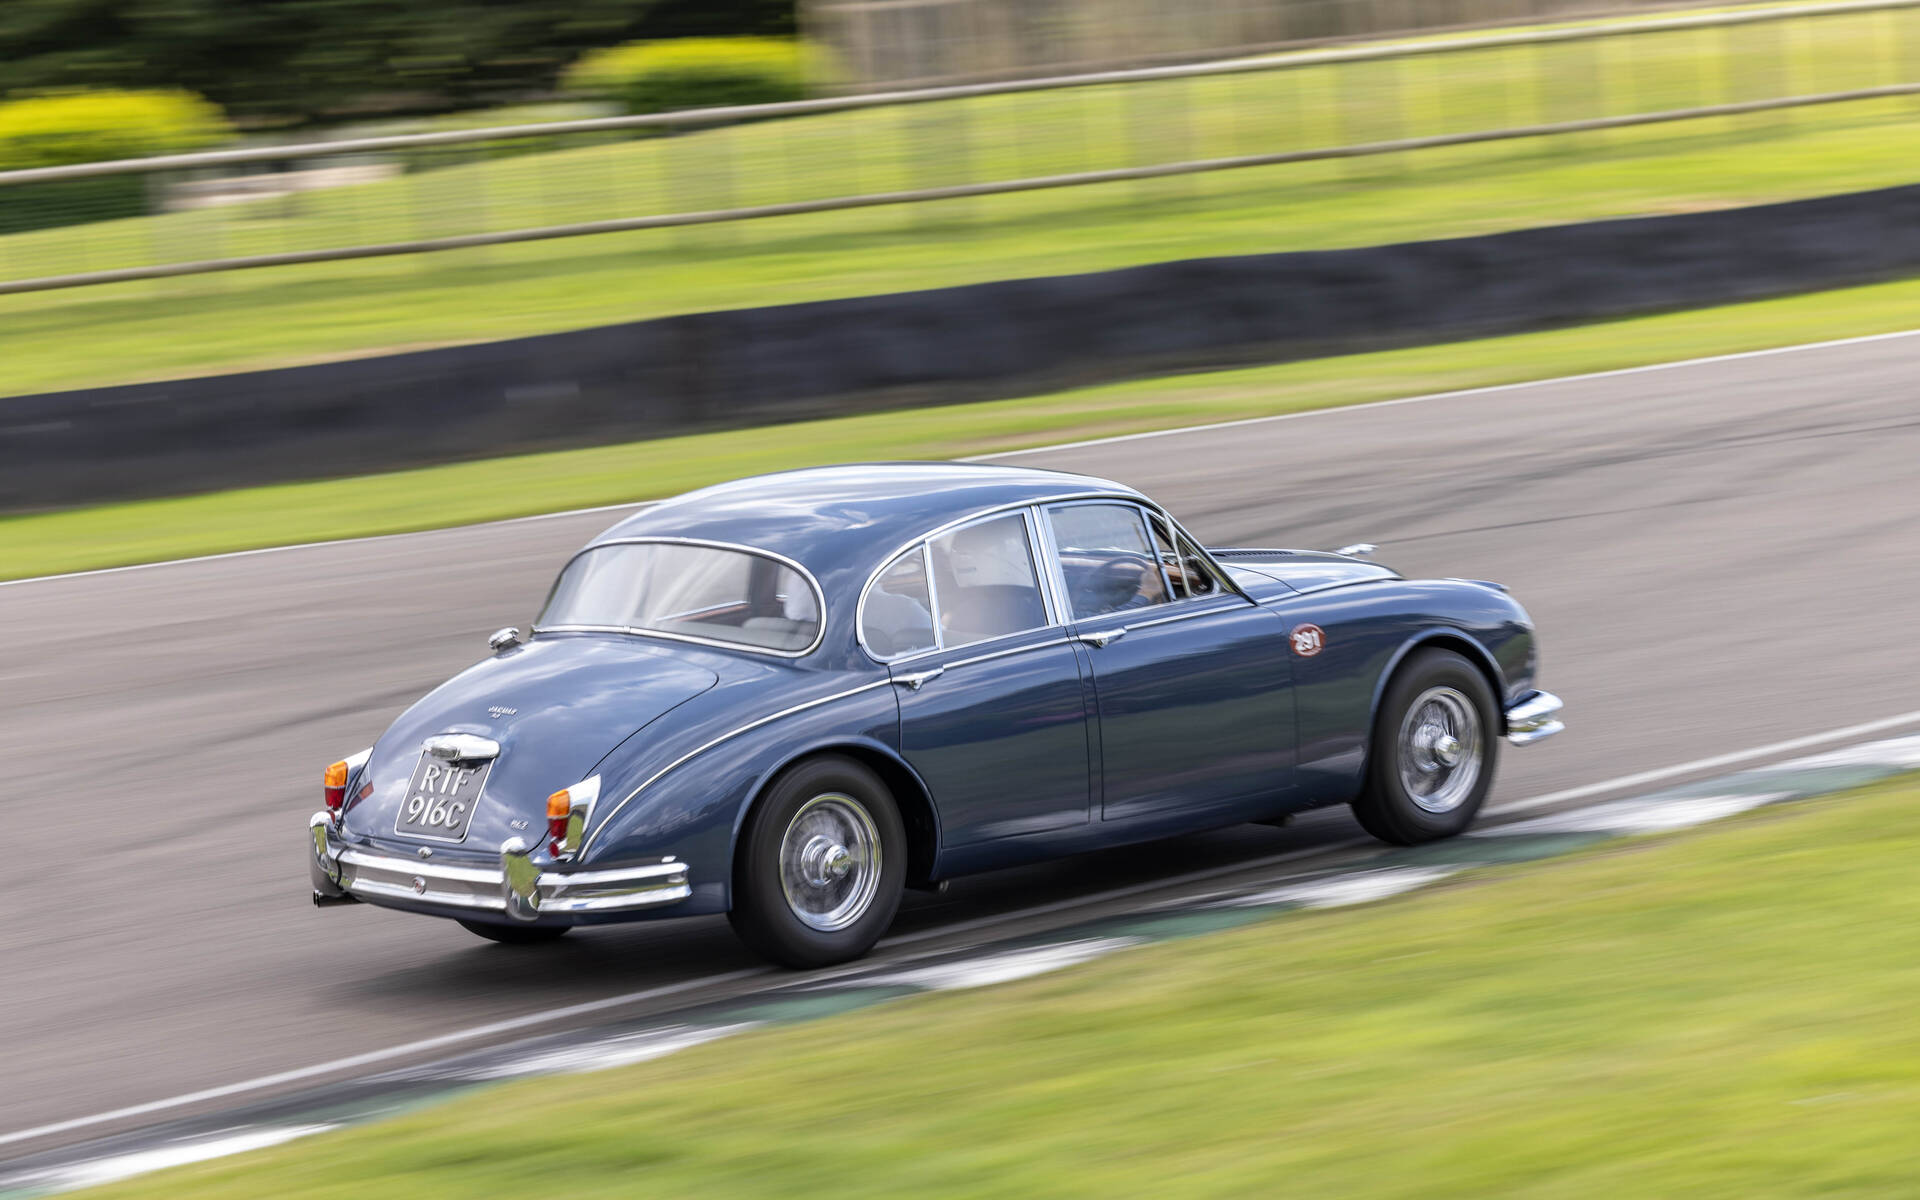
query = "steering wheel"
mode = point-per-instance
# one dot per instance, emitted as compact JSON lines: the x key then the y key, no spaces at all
{"x":1116,"y":581}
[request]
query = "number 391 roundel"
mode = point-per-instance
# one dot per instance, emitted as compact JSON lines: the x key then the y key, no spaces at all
{"x":1309,"y":640}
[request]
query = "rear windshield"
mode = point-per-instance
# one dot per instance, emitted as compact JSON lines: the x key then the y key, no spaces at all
{"x":711,"y":592}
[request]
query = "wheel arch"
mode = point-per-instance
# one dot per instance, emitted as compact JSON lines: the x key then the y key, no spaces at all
{"x":1463,"y":644}
{"x":910,"y":794}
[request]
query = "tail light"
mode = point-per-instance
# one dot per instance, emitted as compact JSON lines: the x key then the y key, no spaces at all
{"x":334,"y":781}
{"x":335,"y":789}
{"x":559,"y":808}
{"x":568,"y":811}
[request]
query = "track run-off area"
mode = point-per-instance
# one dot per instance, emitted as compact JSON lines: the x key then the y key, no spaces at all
{"x":1721,"y":557}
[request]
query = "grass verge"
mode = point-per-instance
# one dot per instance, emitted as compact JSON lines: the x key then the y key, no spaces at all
{"x":126,"y":332}
{"x":1723,"y":1013}
{"x":433,"y":497}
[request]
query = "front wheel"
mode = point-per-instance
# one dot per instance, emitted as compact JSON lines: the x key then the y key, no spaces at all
{"x":1435,"y":742}
{"x":821,"y":865}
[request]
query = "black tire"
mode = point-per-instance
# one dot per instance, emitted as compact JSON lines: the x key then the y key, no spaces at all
{"x":1412,"y":793}
{"x":517,"y":935}
{"x":830,"y":918}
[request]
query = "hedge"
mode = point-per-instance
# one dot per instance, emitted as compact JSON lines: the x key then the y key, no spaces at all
{"x":647,"y":77}
{"x":79,"y":127}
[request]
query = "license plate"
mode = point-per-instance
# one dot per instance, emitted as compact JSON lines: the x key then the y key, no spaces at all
{"x":441,"y":799}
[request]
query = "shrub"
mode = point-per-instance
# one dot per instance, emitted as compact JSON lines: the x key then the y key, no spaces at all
{"x":648,"y":77}
{"x":80,"y":127}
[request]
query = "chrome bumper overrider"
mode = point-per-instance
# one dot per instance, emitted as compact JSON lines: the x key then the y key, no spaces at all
{"x":1533,"y":717}
{"x":517,"y":887}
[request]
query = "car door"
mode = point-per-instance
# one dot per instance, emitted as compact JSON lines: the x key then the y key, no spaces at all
{"x":993,"y":703}
{"x":1192,"y":681}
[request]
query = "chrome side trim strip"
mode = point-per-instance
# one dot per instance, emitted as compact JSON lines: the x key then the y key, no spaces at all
{"x":819,"y":597}
{"x":650,"y":780}
{"x":652,"y":871}
{"x":1185,"y":616}
{"x":1534,"y":718}
{"x":1007,"y":653}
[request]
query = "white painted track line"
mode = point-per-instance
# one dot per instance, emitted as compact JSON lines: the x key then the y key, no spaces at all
{"x":1519,"y":385}
{"x":372,"y":537}
{"x":1490,"y":389}
{"x":546,"y":1016}
{"x":405,"y":1050}
{"x":1707,"y":764}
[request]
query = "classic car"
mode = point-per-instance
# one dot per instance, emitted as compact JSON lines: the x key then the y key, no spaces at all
{"x":790,"y":697}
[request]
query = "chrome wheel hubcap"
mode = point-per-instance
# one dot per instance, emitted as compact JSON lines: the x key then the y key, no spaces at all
{"x":830,"y":862}
{"x":1440,"y":749}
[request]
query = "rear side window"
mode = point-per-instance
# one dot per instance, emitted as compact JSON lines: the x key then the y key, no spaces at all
{"x":896,"y":615}
{"x":984,"y":584}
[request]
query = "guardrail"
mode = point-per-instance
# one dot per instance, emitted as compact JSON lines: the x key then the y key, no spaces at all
{"x":1152,"y":102}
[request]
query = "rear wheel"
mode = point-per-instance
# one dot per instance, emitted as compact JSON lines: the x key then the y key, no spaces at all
{"x":516,"y":935}
{"x":821,"y":864}
{"x":1434,"y":747}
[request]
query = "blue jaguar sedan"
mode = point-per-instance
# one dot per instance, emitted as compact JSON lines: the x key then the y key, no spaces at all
{"x":791,"y":697}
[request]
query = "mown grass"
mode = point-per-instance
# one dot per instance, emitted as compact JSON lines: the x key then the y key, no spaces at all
{"x":1723,"y":1013}
{"x":433,"y":497}
{"x":125,"y":332}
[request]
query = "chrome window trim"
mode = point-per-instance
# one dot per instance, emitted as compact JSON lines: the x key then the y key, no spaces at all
{"x":933,"y":595}
{"x":1200,"y":551}
{"x":1056,"y":575}
{"x":1042,"y":548}
{"x":1054,"y":582}
{"x":925,"y":542}
{"x":1153,"y":548}
{"x":1148,"y":510}
{"x":819,"y":597}
{"x":650,"y":780}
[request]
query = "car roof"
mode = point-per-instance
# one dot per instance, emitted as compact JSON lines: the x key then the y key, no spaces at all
{"x":844,"y":518}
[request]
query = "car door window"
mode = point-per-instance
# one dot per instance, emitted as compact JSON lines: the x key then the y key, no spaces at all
{"x":984,"y":585}
{"x":896,"y":615}
{"x":1105,"y":559}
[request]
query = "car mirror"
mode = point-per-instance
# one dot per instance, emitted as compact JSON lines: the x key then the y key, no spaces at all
{"x":504,"y":640}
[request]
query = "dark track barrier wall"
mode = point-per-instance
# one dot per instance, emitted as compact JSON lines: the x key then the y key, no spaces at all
{"x":760,"y":366}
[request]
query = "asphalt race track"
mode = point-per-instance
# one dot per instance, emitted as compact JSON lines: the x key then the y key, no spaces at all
{"x":1718,"y":555}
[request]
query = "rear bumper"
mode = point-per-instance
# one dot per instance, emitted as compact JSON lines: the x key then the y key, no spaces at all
{"x":1533,"y":717}
{"x":517,"y":888}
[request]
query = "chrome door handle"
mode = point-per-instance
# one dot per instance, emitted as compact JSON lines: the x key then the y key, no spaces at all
{"x":1103,"y":636}
{"x":912,"y":680}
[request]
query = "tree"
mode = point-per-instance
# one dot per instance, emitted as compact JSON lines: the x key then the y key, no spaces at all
{"x":287,"y":61}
